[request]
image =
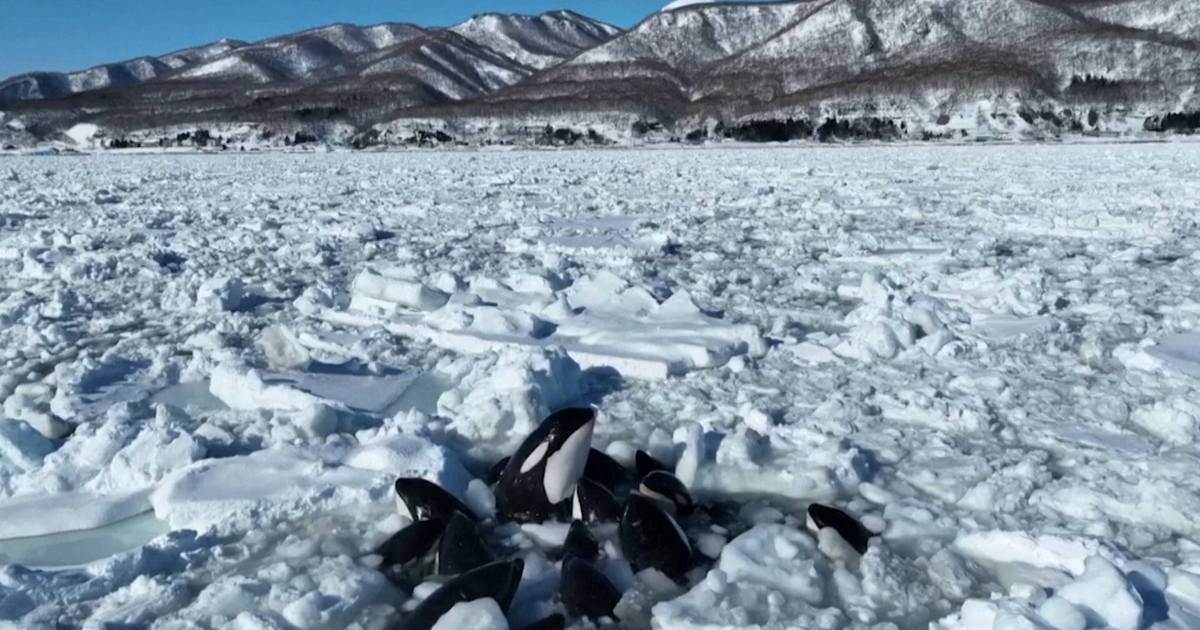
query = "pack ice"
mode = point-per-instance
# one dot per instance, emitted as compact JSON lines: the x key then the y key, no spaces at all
{"x":216,"y":368}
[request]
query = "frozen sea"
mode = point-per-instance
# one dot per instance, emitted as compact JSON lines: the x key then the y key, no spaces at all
{"x":215,"y":366}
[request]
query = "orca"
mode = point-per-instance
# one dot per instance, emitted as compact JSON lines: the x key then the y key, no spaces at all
{"x":646,"y":464}
{"x":423,"y":500}
{"x":545,"y":469}
{"x":853,"y":532}
{"x":586,"y":592}
{"x":605,"y":470}
{"x":497,"y":581}
{"x":594,"y":504}
{"x":493,"y":474}
{"x":669,"y":490}
{"x":554,"y":622}
{"x":462,"y":548}
{"x":651,"y":539}
{"x":411,"y":543}
{"x":580,"y":543}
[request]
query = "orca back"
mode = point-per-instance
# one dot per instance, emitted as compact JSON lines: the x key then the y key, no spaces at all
{"x":651,"y":539}
{"x":497,"y":581}
{"x":586,"y":592}
{"x":462,"y":548}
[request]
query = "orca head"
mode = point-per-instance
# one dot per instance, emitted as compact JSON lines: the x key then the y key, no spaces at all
{"x":580,"y":543}
{"x":651,"y":539}
{"x":586,"y":592}
{"x":604,"y":470}
{"x":497,"y":581}
{"x":667,"y":489}
{"x":646,"y":464}
{"x":546,"y":468}
{"x":820,"y":517}
{"x":422,"y":500}
{"x":594,"y":504}
{"x":569,"y":445}
{"x":410,"y":544}
{"x":462,"y":548}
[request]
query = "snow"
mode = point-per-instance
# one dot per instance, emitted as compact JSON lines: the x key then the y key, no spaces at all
{"x":679,"y":4}
{"x":1105,"y":597}
{"x":481,"y":614}
{"x":601,"y":321}
{"x":82,"y":133}
{"x":985,"y":353}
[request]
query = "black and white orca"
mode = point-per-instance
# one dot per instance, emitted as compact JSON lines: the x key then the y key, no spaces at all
{"x":604,"y":470}
{"x":594,"y":504}
{"x":651,"y":539}
{"x":545,"y":469}
{"x":580,"y":543}
{"x":462,"y":548}
{"x":646,"y":464}
{"x":423,"y":500}
{"x":600,"y":468}
{"x":493,"y":473}
{"x":410,"y":544}
{"x":586,"y":592}
{"x":853,"y":532}
{"x":554,"y":622}
{"x":669,"y":490}
{"x":497,"y":581}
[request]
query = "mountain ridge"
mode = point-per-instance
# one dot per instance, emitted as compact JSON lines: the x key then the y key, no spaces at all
{"x":752,"y":70}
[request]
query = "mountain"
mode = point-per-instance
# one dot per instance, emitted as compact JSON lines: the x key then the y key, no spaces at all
{"x":39,"y":85}
{"x":679,"y":4}
{"x":752,"y":71}
{"x":879,"y":66}
{"x":296,"y":56}
{"x":537,"y":42}
{"x":339,"y":73}
{"x":532,"y":42}
{"x":650,"y":67}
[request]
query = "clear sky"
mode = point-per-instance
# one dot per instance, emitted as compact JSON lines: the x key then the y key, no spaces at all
{"x":59,"y":35}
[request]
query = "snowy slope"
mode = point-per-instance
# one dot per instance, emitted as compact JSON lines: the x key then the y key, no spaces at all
{"x":536,"y":41}
{"x":986,"y":353}
{"x":650,"y":66}
{"x":299,"y":55}
{"x":679,"y":4}
{"x":50,"y":85}
{"x":759,"y":71}
{"x":696,"y":35}
{"x":905,"y":61}
{"x":962,"y":51}
{"x":531,"y":42}
{"x":191,"y":56}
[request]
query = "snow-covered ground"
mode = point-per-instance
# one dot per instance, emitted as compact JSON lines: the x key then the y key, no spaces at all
{"x":215,"y":367}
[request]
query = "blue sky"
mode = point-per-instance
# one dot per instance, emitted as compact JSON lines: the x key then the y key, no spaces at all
{"x":75,"y":34}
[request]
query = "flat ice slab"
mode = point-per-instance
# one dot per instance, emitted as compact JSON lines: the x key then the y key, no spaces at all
{"x":601,"y":321}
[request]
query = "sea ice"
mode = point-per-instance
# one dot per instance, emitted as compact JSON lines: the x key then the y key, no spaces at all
{"x":214,"y":369}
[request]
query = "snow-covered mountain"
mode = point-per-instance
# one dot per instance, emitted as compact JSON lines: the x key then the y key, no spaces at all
{"x":507,"y":48}
{"x":537,"y":41}
{"x":679,"y":4}
{"x":40,"y":85}
{"x":898,"y":67}
{"x":1069,"y":63}
{"x":299,"y":55}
